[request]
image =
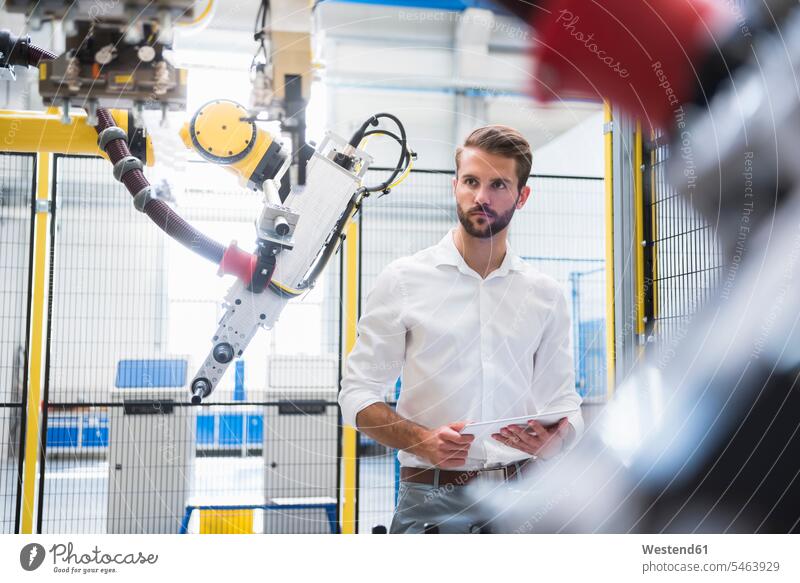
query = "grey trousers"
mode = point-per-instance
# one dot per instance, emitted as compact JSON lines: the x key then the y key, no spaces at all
{"x":452,"y":508}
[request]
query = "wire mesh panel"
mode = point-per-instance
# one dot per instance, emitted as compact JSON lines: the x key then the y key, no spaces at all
{"x":107,"y":308}
{"x":16,"y":196}
{"x":133,"y":315}
{"x":683,"y":262}
{"x":560,"y":232}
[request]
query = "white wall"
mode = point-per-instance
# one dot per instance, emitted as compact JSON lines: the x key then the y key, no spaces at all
{"x":576,"y":152}
{"x":444,"y":74}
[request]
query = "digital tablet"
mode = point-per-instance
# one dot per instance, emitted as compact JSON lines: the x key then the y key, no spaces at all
{"x":487,"y":428}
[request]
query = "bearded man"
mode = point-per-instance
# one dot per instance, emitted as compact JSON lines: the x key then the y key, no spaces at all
{"x":477,"y":335}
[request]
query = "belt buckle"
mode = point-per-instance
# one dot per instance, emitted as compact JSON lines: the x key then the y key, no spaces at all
{"x":516,"y":468}
{"x":488,"y":473}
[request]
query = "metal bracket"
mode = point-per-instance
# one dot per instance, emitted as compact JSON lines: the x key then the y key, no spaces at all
{"x":277,"y":224}
{"x":125,"y":165}
{"x":109,"y":135}
{"x":608,"y":127}
{"x":143,"y":197}
{"x":43,"y":206}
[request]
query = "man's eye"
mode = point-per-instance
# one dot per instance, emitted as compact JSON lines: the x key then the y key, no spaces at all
{"x":499,"y":185}
{"x":470,"y":181}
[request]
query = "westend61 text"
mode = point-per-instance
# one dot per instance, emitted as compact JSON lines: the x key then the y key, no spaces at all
{"x":673,"y":550}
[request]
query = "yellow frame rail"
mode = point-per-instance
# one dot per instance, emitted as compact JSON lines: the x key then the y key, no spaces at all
{"x":609,"y":216}
{"x":349,"y":434}
{"x":37,"y":132}
{"x":36,"y":339}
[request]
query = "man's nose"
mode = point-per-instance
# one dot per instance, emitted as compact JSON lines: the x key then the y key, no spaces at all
{"x":482,"y":196}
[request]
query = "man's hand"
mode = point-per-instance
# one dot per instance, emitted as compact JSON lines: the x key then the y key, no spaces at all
{"x":444,"y":446}
{"x":536,"y":439}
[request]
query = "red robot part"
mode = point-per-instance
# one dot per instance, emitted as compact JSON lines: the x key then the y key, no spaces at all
{"x":237,"y":262}
{"x":644,"y":56}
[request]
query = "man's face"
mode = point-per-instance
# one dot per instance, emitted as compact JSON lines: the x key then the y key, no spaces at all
{"x":486,"y":192}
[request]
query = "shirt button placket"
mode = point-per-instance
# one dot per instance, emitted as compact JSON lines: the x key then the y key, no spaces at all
{"x":486,"y":350}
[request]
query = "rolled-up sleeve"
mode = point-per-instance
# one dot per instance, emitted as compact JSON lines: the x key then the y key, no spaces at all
{"x":553,"y":367}
{"x":376,"y":360}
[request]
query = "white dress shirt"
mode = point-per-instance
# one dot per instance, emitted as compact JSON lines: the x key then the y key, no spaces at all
{"x":468,"y":349}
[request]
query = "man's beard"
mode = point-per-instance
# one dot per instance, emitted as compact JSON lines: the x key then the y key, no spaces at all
{"x":488,"y":228}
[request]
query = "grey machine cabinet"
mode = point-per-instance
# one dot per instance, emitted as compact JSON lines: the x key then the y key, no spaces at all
{"x":300,"y":443}
{"x":151,"y":460}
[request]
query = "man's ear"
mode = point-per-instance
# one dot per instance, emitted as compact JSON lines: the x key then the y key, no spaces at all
{"x":455,"y":183}
{"x":522,"y":197}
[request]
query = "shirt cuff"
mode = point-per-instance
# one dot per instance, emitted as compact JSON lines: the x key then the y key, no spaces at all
{"x":576,"y":422}
{"x":352,"y":404}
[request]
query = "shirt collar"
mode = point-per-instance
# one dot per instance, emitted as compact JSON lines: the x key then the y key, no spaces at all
{"x":446,"y":253}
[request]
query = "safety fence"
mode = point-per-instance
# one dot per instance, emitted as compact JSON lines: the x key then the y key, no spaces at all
{"x":130,"y":315}
{"x":682,"y":261}
{"x":560,"y":232}
{"x":16,"y":198}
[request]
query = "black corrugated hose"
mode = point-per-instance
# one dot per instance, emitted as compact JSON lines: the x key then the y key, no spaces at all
{"x":160,"y":213}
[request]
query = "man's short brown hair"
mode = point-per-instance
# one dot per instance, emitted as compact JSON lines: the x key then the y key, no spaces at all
{"x":502,"y":141}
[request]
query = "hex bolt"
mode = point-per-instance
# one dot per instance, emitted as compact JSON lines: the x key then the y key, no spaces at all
{"x":223,"y":353}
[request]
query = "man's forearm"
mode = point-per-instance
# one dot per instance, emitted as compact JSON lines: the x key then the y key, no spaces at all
{"x":382,"y":424}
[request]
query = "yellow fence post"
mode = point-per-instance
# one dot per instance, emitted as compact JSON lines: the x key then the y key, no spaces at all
{"x":36,"y":339}
{"x":609,"y":216}
{"x":349,"y":434}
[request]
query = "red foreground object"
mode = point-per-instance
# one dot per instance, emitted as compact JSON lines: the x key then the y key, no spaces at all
{"x":643,"y":56}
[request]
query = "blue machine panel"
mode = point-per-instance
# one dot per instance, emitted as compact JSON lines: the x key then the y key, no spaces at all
{"x":95,"y":437}
{"x":255,"y":429}
{"x":205,"y":429}
{"x":231,"y":429}
{"x":591,"y":374}
{"x":94,"y":432}
{"x":63,"y":434}
{"x":151,"y":373}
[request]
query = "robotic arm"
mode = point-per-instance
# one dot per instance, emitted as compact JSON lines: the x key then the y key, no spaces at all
{"x":308,"y":223}
{"x":331,"y":196}
{"x":270,"y":278}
